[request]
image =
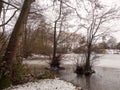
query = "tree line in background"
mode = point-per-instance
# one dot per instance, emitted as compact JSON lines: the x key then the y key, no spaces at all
{"x":29,"y":31}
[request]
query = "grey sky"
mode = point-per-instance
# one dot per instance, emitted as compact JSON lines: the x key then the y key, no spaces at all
{"x":111,"y":3}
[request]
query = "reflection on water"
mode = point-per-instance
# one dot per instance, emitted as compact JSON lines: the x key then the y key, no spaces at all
{"x":103,"y":79}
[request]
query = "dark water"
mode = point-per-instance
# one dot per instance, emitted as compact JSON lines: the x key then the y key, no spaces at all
{"x":103,"y":79}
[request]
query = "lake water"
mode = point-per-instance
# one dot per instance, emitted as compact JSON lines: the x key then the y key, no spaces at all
{"x":103,"y":79}
{"x":107,"y":76}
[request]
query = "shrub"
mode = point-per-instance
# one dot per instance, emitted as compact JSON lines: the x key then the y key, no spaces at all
{"x":6,"y":84}
{"x":55,"y":63}
{"x":5,"y":79}
{"x":20,"y":72}
{"x":1,"y":57}
{"x":80,"y":69}
{"x":46,"y":75}
{"x":79,"y":50}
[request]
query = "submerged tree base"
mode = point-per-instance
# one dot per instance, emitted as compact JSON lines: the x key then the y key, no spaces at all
{"x":55,"y":63}
{"x":55,"y":68}
{"x":89,"y":72}
{"x":82,"y":71}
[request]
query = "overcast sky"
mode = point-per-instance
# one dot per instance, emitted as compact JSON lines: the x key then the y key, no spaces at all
{"x":117,"y":23}
{"x":111,"y":2}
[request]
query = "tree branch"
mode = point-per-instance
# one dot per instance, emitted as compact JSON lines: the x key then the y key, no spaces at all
{"x":10,"y":4}
{"x":9,"y":19}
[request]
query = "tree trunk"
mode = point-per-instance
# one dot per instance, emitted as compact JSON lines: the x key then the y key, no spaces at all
{"x":14,"y":40}
{"x":87,"y":66}
{"x":55,"y":62}
{"x":25,"y":43}
{"x":1,"y":5}
{"x":54,"y":44}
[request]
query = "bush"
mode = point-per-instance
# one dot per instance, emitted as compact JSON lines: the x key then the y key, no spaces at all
{"x":20,"y":72}
{"x":79,"y":50}
{"x":80,"y":69}
{"x":55,"y":63}
{"x":1,"y":57}
{"x":6,"y":84}
{"x":62,"y":50}
{"x":46,"y":75}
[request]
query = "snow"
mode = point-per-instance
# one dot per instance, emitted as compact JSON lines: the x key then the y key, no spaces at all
{"x":36,"y":62}
{"x":46,"y":84}
{"x":39,"y":56}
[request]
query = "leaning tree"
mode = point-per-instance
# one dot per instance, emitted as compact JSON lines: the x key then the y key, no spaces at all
{"x":13,"y":44}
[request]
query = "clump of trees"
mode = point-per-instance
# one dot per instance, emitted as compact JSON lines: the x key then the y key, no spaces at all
{"x":37,"y":41}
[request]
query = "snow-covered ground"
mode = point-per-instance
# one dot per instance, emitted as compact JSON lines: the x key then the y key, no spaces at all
{"x":36,"y":62}
{"x":46,"y":84}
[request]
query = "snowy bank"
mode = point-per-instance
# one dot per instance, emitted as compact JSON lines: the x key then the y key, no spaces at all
{"x":46,"y":84}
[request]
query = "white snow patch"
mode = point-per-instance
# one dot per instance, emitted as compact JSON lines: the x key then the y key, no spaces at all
{"x":36,"y":62}
{"x":37,"y":56}
{"x":46,"y":84}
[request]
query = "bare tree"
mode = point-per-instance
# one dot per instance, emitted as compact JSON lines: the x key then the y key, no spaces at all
{"x":93,"y":21}
{"x":36,"y":22}
{"x":55,"y":62}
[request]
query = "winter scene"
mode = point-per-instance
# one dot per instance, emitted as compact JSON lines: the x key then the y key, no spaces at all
{"x":59,"y":44}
